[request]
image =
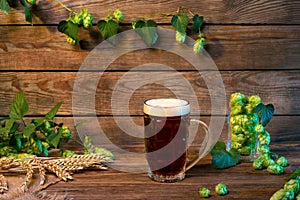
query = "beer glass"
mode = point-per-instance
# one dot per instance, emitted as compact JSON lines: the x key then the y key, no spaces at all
{"x":166,"y":129}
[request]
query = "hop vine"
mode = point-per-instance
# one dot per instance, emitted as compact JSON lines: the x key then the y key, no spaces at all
{"x":183,"y":20}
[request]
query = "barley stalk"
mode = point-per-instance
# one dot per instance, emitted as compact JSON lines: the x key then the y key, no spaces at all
{"x":8,"y":162}
{"x":79,"y":162}
{"x":58,"y":170}
{"x":27,"y":164}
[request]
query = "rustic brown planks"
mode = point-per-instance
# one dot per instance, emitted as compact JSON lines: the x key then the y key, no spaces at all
{"x":44,"y":89}
{"x":216,"y":11}
{"x":231,"y":47}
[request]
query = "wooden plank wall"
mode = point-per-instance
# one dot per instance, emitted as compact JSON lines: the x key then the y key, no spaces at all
{"x":255,"y":45}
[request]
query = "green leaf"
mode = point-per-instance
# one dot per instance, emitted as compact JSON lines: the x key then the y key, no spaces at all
{"x":18,"y":142}
{"x":39,"y":145}
{"x":180,"y":22}
{"x":197,"y":23}
{"x":15,"y":141}
{"x":19,"y":107}
{"x":4,"y":6}
{"x":28,"y":16}
{"x":45,"y":151}
{"x":221,"y":158}
{"x":147,"y":30}
{"x":54,"y":139}
{"x":9,"y":124}
{"x":108,"y":28}
{"x":68,"y":28}
{"x":51,"y":114}
{"x":295,"y":174}
{"x":265,"y":113}
{"x":29,"y":130}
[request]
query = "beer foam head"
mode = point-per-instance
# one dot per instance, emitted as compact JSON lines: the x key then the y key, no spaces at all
{"x":166,"y":107}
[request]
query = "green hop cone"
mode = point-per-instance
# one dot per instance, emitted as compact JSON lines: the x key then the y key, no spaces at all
{"x":298,"y":196}
{"x":180,"y":37}
{"x":78,"y":19}
{"x":245,"y":150}
{"x":65,"y":133}
{"x":221,"y":189}
{"x":104,"y":152}
{"x":264,"y":138}
{"x":71,"y":40}
{"x":237,"y":98}
{"x":199,"y":43}
{"x":280,"y":195}
{"x":263,"y":149}
{"x":66,"y":153}
{"x":254,"y":100}
{"x":267,"y":160}
{"x":282,"y":161}
{"x":118,"y":14}
{"x":275,"y":169}
{"x":292,"y":185}
{"x":259,"y":128}
{"x":258,"y":164}
{"x":204,"y":192}
{"x":236,"y":110}
{"x":87,"y":18}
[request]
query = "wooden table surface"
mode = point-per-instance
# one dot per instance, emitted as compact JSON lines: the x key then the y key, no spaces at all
{"x":243,"y":182}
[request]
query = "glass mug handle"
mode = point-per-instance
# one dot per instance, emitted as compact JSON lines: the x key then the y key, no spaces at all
{"x":201,"y":152}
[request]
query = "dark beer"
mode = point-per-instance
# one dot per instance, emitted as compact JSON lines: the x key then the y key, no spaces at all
{"x":166,"y":123}
{"x":166,"y":149}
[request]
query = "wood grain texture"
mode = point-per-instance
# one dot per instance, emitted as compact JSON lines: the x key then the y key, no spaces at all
{"x":231,"y":48}
{"x":216,"y":11}
{"x":44,"y":89}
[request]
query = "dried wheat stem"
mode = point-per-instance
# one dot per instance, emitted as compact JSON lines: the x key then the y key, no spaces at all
{"x":58,"y":170}
{"x":27,"y":164}
{"x":3,"y":184}
{"x":79,"y":162}
{"x":8,"y":162}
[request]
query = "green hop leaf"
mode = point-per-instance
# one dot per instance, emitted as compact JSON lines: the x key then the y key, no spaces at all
{"x":295,"y":174}
{"x":69,"y":28}
{"x":197,"y":23}
{"x":29,"y":130}
{"x":108,"y":28}
{"x":19,"y":107}
{"x":265,"y":113}
{"x":147,"y":30}
{"x":4,"y":6}
{"x":180,"y":22}
{"x":39,"y":145}
{"x":221,"y":158}
{"x":54,"y":139}
{"x":7,"y":129}
{"x":51,"y":114}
